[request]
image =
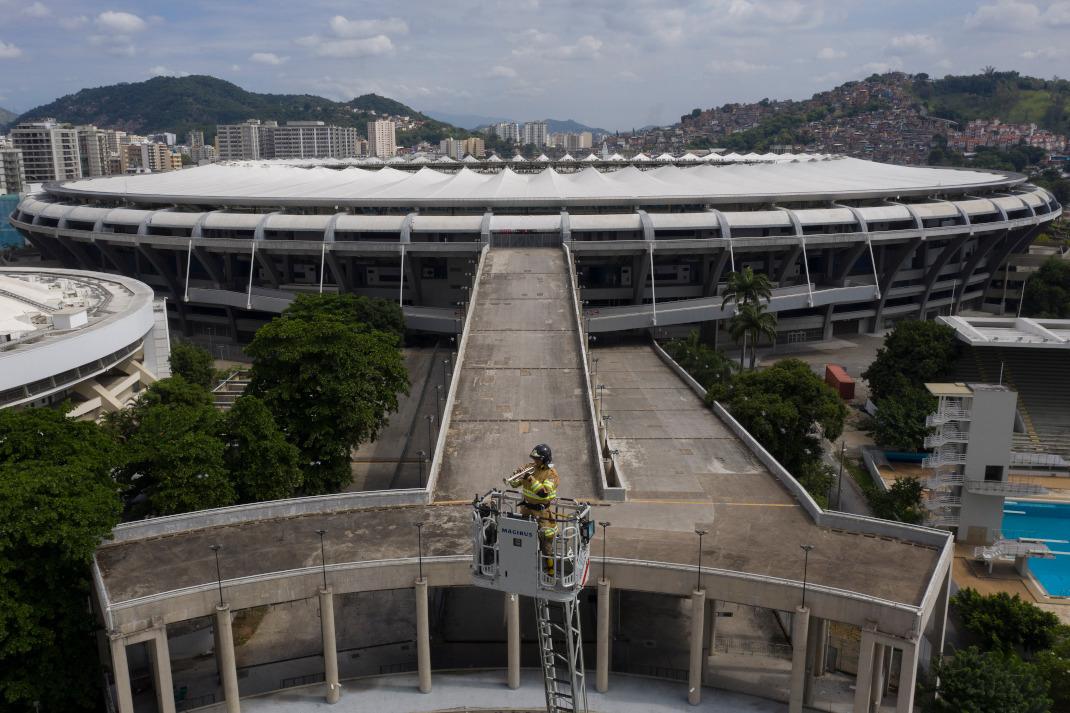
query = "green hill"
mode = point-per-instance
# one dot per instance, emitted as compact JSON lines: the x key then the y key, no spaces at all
{"x":179,"y":104}
{"x":6,"y":116}
{"x":1006,"y":96}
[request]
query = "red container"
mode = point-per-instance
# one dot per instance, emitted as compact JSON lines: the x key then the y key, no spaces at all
{"x":837,"y":378}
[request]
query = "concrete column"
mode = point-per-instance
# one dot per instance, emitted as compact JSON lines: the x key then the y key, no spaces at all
{"x":889,"y":660}
{"x":877,"y":687}
{"x":864,"y":677}
{"x":940,"y":617}
{"x":120,"y":670}
{"x":224,"y":651}
{"x":330,"y":645}
{"x":423,"y":637}
{"x":813,"y":655}
{"x":822,"y":636}
{"x":908,"y":676}
{"x":694,"y":675}
{"x":712,"y":627}
{"x":160,"y":654}
{"x":602,"y":646}
{"x":800,"y":626}
{"x":512,"y":635}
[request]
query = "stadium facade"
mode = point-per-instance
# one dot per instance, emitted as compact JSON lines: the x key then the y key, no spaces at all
{"x":850,"y":245}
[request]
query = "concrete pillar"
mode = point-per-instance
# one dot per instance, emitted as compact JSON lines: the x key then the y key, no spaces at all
{"x":512,"y":636}
{"x":423,"y":637}
{"x":940,"y":617}
{"x":160,"y":656}
{"x":224,"y":652}
{"x":712,"y":627}
{"x":120,"y":670}
{"x":602,"y":646}
{"x":908,"y":676}
{"x":800,"y":626}
{"x":877,"y":687}
{"x":813,"y":655}
{"x":694,"y":675}
{"x":864,"y":677}
{"x":889,"y":660}
{"x":330,"y":645}
{"x":822,"y":636}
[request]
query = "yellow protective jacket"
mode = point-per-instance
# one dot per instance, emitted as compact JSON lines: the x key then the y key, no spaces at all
{"x":538,"y":485}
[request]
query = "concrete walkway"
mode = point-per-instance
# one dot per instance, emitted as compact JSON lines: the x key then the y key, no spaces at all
{"x":483,"y":691}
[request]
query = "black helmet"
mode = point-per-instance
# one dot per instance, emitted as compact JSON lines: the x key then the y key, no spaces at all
{"x":542,"y":453}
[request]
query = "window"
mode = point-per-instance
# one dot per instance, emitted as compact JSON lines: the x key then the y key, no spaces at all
{"x":993,"y":472}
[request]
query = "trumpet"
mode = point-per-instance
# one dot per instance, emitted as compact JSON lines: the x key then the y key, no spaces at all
{"x":518,"y":476}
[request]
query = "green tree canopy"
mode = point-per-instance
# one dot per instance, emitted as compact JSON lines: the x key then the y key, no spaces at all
{"x":1047,"y":292}
{"x":746,"y":286}
{"x":330,"y":383}
{"x":987,"y":682}
{"x":192,"y":363}
{"x":57,"y":501}
{"x":783,"y":405}
{"x":261,"y":464}
{"x":902,"y":501}
{"x":706,"y":365}
{"x":1002,"y":622}
{"x":371,"y":312}
{"x":900,"y":420}
{"x":750,"y":324}
{"x":172,"y":451}
{"x":914,"y":352}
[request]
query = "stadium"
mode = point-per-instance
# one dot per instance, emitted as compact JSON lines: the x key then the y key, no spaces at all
{"x":226,"y":608}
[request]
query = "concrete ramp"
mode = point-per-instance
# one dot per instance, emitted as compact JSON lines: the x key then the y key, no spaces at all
{"x":521,"y":382}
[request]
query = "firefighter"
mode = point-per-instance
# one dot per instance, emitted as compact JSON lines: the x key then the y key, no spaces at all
{"x":538,"y":483}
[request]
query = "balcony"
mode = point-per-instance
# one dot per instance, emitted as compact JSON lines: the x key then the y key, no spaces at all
{"x":943,"y":458}
{"x":943,"y":503}
{"x":1051,"y":460}
{"x":947,"y":414}
{"x":946,"y":435}
{"x":944,"y":521}
{"x":945,"y":480}
{"x":1002,"y":487}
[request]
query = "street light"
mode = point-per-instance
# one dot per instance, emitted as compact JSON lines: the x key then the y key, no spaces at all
{"x":218,"y":576}
{"x":445,"y":369}
{"x":421,"y":455}
{"x":604,"y":524}
{"x":430,"y":427}
{"x":700,"y":533}
{"x":420,"y":546}
{"x":438,"y":395}
{"x":806,"y":561}
{"x":323,"y":558}
{"x":594,"y":371}
{"x":601,"y":388}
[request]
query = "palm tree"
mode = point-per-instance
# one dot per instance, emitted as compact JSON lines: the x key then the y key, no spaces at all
{"x":747,"y":287}
{"x":752,"y":321}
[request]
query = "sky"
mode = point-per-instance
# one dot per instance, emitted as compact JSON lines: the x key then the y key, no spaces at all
{"x":614,"y":64}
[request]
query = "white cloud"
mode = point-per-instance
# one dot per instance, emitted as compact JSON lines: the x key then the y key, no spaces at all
{"x":735,"y":66}
{"x":9,"y":51}
{"x":367,"y":47}
{"x":831,"y":53}
{"x":36,"y":9}
{"x":1004,"y":16}
{"x":115,"y":45}
{"x":914,"y":43}
{"x":502,"y":72}
{"x":1045,"y":53}
{"x":586,"y":47}
{"x":73,"y":23}
{"x":1058,"y":14}
{"x":882,"y":67}
{"x":162,"y":71}
{"x":344,"y":27}
{"x":267,"y":58}
{"x":123,"y":22}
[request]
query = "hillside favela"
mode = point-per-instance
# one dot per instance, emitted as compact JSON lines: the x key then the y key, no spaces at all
{"x":581,"y":358}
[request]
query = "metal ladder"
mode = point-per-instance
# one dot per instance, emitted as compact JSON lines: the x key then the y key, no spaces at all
{"x":561,"y":650}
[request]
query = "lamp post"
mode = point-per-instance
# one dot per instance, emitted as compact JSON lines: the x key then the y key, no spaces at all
{"x":421,"y":455}
{"x":430,"y":428}
{"x":700,"y":533}
{"x":323,"y":558}
{"x":420,"y":546}
{"x":601,"y":389}
{"x":604,"y":524}
{"x":594,"y":371}
{"x":839,"y":479}
{"x":438,"y":397}
{"x":806,"y":561}
{"x":218,"y":577}
{"x":445,"y":369}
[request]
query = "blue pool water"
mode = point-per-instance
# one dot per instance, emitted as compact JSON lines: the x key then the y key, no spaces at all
{"x":1050,"y":521}
{"x":8,"y":235}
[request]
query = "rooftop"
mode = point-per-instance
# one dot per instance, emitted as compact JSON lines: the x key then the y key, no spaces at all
{"x":1011,"y":331}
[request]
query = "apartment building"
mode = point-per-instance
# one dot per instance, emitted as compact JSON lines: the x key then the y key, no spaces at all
{"x":94,"y":151}
{"x":534,"y":133}
{"x":236,"y":142}
{"x":12,"y":172}
{"x":508,"y":131}
{"x":382,"y":138}
{"x":49,"y":150}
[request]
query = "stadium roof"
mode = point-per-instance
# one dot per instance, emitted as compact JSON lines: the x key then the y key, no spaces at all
{"x":1011,"y":331}
{"x":282,"y":184}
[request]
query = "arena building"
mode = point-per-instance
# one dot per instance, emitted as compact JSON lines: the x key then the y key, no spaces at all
{"x":89,"y":338}
{"x":850,"y":245}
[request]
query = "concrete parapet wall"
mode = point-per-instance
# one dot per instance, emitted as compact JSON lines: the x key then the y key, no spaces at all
{"x":272,"y":510}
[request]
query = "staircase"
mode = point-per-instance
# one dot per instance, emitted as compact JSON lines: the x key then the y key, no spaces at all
{"x":227,"y":392}
{"x":561,"y":652}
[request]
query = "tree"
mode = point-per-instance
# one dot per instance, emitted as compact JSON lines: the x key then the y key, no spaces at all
{"x":749,"y":288}
{"x":745,"y":287}
{"x":193,"y":364}
{"x":914,"y":352}
{"x":1047,"y":292}
{"x":706,"y":365}
{"x":330,"y":383}
{"x":1002,"y":622}
{"x":57,"y":501}
{"x":900,"y":420}
{"x":261,"y":464}
{"x":989,"y":682}
{"x":172,"y":451}
{"x":752,"y":323}
{"x":902,"y":501}
{"x":1054,"y":667}
{"x":370,"y":312}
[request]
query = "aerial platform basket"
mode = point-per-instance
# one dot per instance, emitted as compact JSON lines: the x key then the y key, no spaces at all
{"x":506,"y":554}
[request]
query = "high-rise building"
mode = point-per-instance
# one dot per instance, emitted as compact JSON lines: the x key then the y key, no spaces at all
{"x":195,"y":139}
{"x":93,"y":147}
{"x":314,"y":139}
{"x":534,"y":133}
{"x":475,"y":146}
{"x":235,"y":142}
{"x":449,"y":146}
{"x":382,"y":138}
{"x":508,"y":131}
{"x":586,"y":140}
{"x":49,"y":150}
{"x":116,"y":140}
{"x":12,"y":172}
{"x":149,"y":157}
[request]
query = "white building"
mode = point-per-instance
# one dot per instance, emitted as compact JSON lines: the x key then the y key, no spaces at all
{"x":49,"y":150}
{"x":12,"y":171}
{"x":534,"y":133}
{"x":94,"y":151}
{"x":508,"y":131}
{"x":382,"y":138}
{"x":314,"y":139}
{"x":90,"y":338}
{"x":235,"y":142}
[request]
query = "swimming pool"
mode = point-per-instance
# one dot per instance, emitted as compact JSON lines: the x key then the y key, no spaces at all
{"x":1049,"y":521}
